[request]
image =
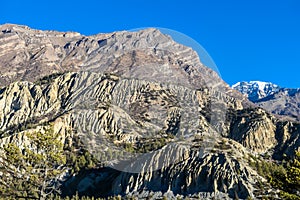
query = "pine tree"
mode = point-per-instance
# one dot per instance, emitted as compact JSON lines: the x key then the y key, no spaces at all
{"x":32,"y":172}
{"x":293,"y":172}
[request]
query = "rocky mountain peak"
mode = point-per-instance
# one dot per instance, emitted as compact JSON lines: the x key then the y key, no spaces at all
{"x":256,"y":90}
{"x":284,"y":102}
{"x":32,"y":54}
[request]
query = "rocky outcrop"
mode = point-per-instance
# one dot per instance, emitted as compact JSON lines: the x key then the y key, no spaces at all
{"x":192,"y":174}
{"x":255,"y":129}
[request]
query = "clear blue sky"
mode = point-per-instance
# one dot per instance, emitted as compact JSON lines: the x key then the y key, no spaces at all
{"x":247,"y":39}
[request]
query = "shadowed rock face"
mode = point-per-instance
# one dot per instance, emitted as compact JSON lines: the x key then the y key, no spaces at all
{"x":189,"y":133}
{"x":192,"y":174}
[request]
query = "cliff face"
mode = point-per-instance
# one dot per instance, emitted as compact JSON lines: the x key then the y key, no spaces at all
{"x":221,"y":173}
{"x":168,"y":123}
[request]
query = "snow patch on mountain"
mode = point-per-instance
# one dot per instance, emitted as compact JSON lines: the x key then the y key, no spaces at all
{"x":256,"y":90}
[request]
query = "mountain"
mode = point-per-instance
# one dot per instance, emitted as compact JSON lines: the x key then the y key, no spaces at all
{"x":256,"y":90}
{"x":32,"y":54}
{"x":285,"y":102}
{"x":137,"y":114}
{"x":273,"y":98}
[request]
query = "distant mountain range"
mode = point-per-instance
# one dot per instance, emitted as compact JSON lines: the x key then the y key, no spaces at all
{"x":276,"y":99}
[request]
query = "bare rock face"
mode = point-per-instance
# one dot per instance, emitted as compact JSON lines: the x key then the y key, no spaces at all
{"x":28,"y":54}
{"x":192,"y":174}
{"x":169,"y":124}
{"x":255,"y":129}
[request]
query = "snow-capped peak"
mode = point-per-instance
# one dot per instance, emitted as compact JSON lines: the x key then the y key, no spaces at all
{"x":256,"y":90}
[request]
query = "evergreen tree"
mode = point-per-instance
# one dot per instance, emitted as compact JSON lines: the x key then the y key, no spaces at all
{"x":32,"y":172}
